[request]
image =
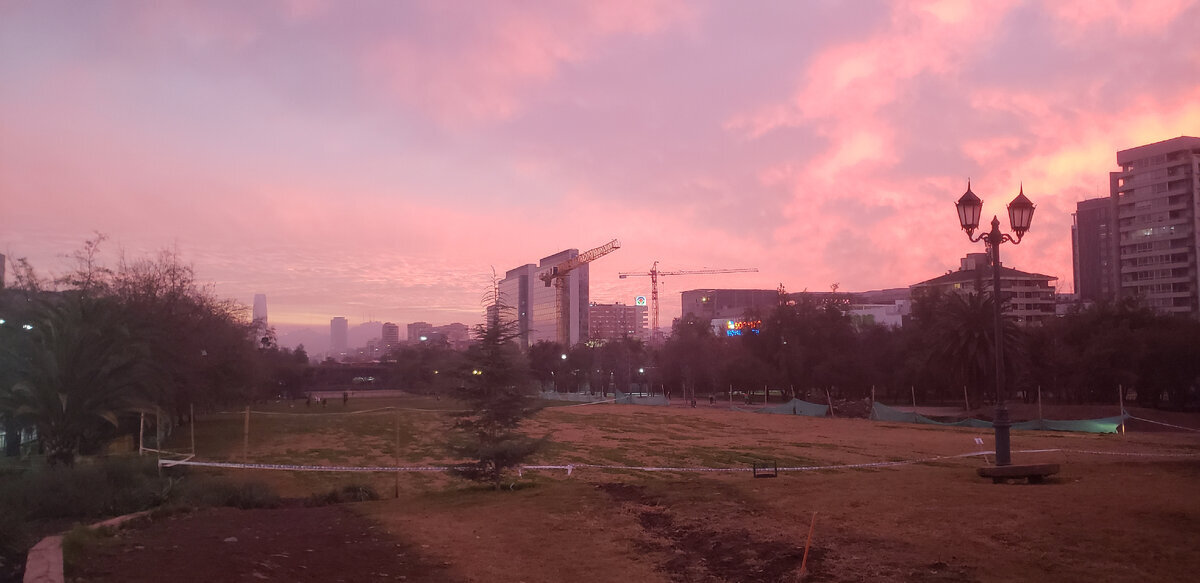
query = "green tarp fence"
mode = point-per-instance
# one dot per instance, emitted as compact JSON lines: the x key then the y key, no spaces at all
{"x":620,"y":398}
{"x":881,"y":412}
{"x":631,"y":399}
{"x":574,"y":397}
{"x":797,"y":407}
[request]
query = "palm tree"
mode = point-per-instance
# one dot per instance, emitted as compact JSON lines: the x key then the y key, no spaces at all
{"x":80,"y":369}
{"x":964,"y":339}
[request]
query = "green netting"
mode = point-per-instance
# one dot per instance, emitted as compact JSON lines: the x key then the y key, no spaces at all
{"x":797,"y":407}
{"x":881,"y":412}
{"x":631,"y":399}
{"x":1105,"y":425}
{"x":574,"y":397}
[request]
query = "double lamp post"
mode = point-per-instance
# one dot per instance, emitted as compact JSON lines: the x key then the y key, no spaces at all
{"x":1020,"y":215}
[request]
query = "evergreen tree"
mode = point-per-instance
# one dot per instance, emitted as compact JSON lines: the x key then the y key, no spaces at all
{"x":498,"y":396}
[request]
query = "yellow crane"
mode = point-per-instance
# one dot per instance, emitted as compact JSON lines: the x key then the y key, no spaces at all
{"x":654,"y":274}
{"x":557,"y":276}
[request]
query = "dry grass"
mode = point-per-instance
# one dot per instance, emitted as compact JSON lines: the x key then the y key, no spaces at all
{"x":1110,"y":518}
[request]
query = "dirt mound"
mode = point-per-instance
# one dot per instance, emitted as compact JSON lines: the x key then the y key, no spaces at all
{"x":699,"y":552}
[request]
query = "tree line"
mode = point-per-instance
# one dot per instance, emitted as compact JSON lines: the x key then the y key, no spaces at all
{"x":807,"y":345}
{"x":84,"y":354}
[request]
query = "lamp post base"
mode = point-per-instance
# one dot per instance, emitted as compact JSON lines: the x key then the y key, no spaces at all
{"x":1002,"y":424}
{"x":1035,"y":473}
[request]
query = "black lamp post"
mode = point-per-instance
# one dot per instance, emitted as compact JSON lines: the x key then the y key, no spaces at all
{"x":1020,"y":215}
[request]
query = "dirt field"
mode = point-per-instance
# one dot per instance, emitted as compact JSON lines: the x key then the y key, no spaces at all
{"x":1130,"y":514}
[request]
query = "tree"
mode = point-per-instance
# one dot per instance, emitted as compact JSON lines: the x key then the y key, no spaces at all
{"x":691,"y":357}
{"x":207,"y":346}
{"x":82,"y":367}
{"x":546,"y":362}
{"x":499,"y":398}
{"x":964,"y":339}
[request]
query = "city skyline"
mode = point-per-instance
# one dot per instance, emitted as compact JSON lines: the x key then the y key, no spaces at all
{"x":357,"y":163}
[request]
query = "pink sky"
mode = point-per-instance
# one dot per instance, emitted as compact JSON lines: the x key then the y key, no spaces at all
{"x":377,"y":159}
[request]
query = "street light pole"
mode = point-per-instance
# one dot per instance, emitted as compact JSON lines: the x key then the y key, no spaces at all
{"x":1020,"y":214}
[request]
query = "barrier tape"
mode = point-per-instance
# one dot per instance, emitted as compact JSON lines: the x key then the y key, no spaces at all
{"x":584,"y":404}
{"x":344,"y":412}
{"x":1166,"y":424}
{"x":165,"y":452}
{"x":1132,"y":454}
{"x":570,"y":468}
{"x":304,"y":468}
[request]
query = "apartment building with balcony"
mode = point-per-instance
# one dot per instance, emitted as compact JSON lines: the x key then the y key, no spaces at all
{"x":1155,"y":196}
{"x":1029,"y":297}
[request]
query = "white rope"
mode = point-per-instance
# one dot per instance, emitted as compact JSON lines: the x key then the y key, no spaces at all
{"x":584,"y":404}
{"x":314,"y":414}
{"x":1165,"y":424}
{"x":570,"y":468}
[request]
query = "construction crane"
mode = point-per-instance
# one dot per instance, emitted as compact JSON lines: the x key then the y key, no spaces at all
{"x":654,"y":274}
{"x":557,"y":275}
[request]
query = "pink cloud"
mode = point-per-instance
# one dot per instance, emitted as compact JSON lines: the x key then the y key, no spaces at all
{"x":490,"y":60}
{"x":1122,"y":18}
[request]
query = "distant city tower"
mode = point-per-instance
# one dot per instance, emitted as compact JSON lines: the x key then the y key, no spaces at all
{"x":260,"y":309}
{"x":339,"y":333}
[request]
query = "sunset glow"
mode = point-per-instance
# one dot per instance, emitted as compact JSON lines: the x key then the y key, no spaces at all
{"x":379,"y":159}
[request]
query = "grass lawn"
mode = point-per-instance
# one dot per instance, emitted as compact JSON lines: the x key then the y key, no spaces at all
{"x":1104,"y":518}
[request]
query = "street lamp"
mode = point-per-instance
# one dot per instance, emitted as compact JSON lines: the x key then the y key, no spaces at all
{"x":1020,"y":215}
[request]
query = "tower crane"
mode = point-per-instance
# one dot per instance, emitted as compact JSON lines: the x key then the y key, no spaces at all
{"x":654,"y":274}
{"x":557,"y":276}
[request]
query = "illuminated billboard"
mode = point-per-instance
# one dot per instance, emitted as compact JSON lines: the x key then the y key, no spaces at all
{"x":742,"y":327}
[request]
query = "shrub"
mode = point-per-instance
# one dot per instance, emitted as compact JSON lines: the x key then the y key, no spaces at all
{"x":108,"y":487}
{"x":210,"y":492}
{"x":348,"y":493}
{"x":76,"y":541}
{"x":14,"y":541}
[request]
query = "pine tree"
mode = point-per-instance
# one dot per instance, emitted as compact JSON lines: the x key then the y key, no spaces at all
{"x":498,"y":396}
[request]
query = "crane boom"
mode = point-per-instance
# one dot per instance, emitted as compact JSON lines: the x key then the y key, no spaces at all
{"x":557,"y":275}
{"x":625,"y":274}
{"x":654,"y":274}
{"x":562,"y":269}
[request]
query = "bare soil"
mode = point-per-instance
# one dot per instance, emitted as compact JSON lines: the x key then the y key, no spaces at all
{"x":1127,"y":514}
{"x":288,"y":544}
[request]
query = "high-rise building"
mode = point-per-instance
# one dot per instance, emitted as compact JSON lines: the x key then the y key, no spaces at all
{"x":339,"y":334}
{"x":616,"y":321}
{"x":711,"y":304}
{"x":1029,"y":296}
{"x":532,"y":304}
{"x":2,"y":265}
{"x":727,"y":307}
{"x":389,"y":335}
{"x":456,"y":335}
{"x":1156,"y":195}
{"x":260,"y":309}
{"x":419,"y":330}
{"x":1093,"y":245}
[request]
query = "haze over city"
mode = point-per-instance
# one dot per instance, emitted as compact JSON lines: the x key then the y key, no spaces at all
{"x":377,"y":162}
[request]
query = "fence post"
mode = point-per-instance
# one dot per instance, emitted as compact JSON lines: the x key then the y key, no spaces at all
{"x":246,"y":437}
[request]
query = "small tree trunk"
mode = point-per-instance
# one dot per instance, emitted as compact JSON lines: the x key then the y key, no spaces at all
{"x":12,"y":438}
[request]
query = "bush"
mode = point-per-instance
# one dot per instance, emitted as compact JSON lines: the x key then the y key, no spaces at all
{"x":210,"y":492}
{"x":14,"y":542}
{"x":348,"y":493}
{"x":105,"y":487}
{"x":76,"y":541}
{"x":109,"y":487}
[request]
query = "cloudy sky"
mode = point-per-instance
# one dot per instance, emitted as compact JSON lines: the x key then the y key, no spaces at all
{"x":378,"y":159}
